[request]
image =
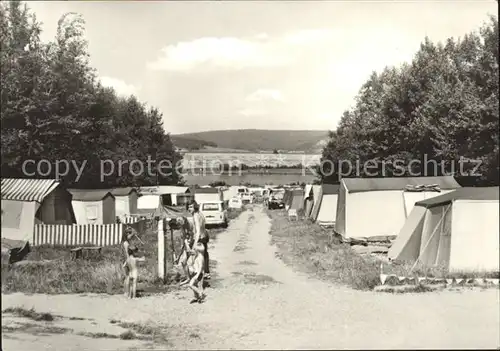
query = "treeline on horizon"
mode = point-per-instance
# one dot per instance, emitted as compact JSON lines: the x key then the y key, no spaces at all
{"x":442,"y":106}
{"x":54,"y":108}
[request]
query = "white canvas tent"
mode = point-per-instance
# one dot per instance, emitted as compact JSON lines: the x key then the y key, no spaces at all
{"x":26,"y":202}
{"x":93,"y":206}
{"x":325,"y":206}
{"x":458,"y":230}
{"x":372,"y":207}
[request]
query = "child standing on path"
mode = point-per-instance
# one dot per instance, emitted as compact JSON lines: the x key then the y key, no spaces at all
{"x":197,"y":270}
{"x":130,"y":267}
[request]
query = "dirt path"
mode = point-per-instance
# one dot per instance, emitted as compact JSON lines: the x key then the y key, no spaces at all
{"x":257,"y":302}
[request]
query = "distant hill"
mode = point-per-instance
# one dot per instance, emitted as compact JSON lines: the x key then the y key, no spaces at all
{"x":258,"y":140}
{"x":190,"y":143}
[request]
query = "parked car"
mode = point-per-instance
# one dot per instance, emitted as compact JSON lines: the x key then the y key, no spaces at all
{"x":215,"y":213}
{"x":276,"y":200}
{"x":245,"y":195}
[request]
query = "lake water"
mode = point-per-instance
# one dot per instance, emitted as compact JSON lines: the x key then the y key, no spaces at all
{"x":261,"y":179}
{"x":211,"y":161}
{"x":207,"y":160}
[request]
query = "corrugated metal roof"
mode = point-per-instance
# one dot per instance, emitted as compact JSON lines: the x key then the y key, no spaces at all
{"x":27,"y":189}
{"x":478,"y":193}
{"x":354,"y":185}
{"x":330,"y":189}
{"x":122,"y":191}
{"x":89,"y":195}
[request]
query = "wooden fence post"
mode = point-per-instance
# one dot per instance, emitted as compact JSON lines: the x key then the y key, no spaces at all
{"x":161,"y":251}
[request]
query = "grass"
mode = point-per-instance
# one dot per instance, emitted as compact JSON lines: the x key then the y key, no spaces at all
{"x":50,"y":270}
{"x":30,"y":314}
{"x":439,"y":271}
{"x":310,"y":248}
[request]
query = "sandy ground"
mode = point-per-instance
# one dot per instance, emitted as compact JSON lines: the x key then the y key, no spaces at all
{"x":256,"y":302}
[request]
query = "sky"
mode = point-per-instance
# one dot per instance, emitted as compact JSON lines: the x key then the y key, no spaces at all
{"x":294,"y":65}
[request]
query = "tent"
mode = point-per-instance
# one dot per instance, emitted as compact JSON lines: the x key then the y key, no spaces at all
{"x":327,"y":209}
{"x":296,"y":199}
{"x":311,"y":200}
{"x":327,"y":194}
{"x":370,"y":207}
{"x":26,"y":202}
{"x":93,"y":206}
{"x":125,"y":201}
{"x":458,"y":230}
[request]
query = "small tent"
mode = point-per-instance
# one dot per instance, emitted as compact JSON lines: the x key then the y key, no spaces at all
{"x":125,"y":201}
{"x":327,"y":205}
{"x":458,"y":230}
{"x":327,"y":194}
{"x":314,"y":195}
{"x":370,"y":207}
{"x":296,"y":199}
{"x":26,"y":202}
{"x":93,"y":206}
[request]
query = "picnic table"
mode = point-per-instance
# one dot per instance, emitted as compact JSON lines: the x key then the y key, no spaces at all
{"x":85,"y":252}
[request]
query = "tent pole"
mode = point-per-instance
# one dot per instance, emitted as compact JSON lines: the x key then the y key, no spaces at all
{"x":430,"y":238}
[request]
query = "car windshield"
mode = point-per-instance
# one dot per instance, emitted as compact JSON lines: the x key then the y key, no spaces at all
{"x":278,"y":196}
{"x":241,"y":190}
{"x":210,"y":207}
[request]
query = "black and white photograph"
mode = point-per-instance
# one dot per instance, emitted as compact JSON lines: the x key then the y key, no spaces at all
{"x":250,"y":175}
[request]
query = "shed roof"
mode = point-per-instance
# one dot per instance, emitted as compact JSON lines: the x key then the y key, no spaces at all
{"x":89,"y":195}
{"x":354,"y":185}
{"x":472,"y":193}
{"x":27,"y":189}
{"x":172,"y":189}
{"x":123,"y":191}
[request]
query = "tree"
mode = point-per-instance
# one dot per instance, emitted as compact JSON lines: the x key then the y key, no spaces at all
{"x":443,"y":107}
{"x":54,"y":108}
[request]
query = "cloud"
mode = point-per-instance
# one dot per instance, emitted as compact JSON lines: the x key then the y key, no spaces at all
{"x":266,"y":94}
{"x":222,"y":52}
{"x":260,"y":50}
{"x":121,"y":88}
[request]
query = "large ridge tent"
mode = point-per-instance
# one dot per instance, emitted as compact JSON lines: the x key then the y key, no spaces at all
{"x":125,"y":201}
{"x":93,"y":206}
{"x":458,"y":230}
{"x":26,"y":202}
{"x":325,"y":207}
{"x":371,"y":207}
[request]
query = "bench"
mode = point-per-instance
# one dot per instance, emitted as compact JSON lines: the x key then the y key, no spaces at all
{"x":84,"y":252}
